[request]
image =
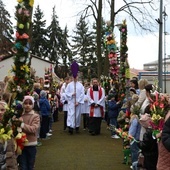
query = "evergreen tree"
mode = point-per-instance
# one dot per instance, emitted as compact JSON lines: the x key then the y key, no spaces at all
{"x":84,"y":47}
{"x":55,"y":39}
{"x":6,"y":30}
{"x":39,"y":33}
{"x":66,"y":54}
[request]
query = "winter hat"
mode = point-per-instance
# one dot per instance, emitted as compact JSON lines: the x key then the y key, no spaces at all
{"x":110,"y":96}
{"x":28,"y":98}
{"x":145,"y":120}
{"x":43,"y":93}
{"x":132,"y":90}
{"x":35,"y":96}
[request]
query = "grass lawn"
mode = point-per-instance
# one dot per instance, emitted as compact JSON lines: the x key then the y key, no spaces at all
{"x":80,"y":151}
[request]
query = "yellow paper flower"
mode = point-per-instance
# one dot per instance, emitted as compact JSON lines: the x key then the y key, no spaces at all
{"x":2,"y":131}
{"x":19,"y":1}
{"x":31,"y":3}
{"x":21,"y":68}
{"x":127,"y":73}
{"x":14,"y":67}
{"x":9,"y":132}
{"x":5,"y":137}
{"x":27,"y":69}
{"x":19,"y":135}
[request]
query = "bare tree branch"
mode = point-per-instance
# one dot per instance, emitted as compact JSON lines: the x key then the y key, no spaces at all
{"x":139,"y":14}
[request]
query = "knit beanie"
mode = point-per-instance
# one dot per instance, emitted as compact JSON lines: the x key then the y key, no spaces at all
{"x":43,"y":93}
{"x":35,"y":96}
{"x":28,"y":98}
{"x":145,"y":120}
{"x":132,"y":90}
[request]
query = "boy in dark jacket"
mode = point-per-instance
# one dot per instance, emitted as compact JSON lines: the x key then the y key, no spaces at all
{"x":113,"y":111}
{"x":45,"y":113}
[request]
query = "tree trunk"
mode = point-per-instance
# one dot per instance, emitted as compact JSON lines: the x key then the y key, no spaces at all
{"x":99,"y":24}
{"x":106,"y":65}
{"x":112,"y":14}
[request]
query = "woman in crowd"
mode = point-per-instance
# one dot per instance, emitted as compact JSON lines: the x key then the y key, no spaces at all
{"x":134,"y":84}
{"x":164,"y":145}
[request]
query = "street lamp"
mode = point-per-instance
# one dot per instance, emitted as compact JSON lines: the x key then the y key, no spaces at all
{"x":160,"y":46}
{"x":165,"y":33}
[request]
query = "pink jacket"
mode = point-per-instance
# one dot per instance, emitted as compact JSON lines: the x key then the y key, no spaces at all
{"x":30,"y":125}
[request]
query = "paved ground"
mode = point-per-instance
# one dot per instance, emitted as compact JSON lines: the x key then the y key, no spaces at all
{"x":80,"y":151}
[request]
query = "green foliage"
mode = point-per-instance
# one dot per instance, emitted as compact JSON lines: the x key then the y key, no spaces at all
{"x":54,"y":42}
{"x":6,"y":30}
{"x":66,"y":55}
{"x":39,"y":34}
{"x":84,"y":48}
{"x":136,"y":109}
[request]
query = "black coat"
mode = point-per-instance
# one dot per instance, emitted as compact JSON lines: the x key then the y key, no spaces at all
{"x":149,"y":148}
{"x":166,"y":134}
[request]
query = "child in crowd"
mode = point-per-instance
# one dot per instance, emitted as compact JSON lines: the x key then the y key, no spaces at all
{"x":85,"y":108}
{"x":134,"y":131}
{"x":8,"y":158}
{"x":123,"y":123}
{"x":30,"y":125}
{"x":113,"y":111}
{"x":106,"y":113}
{"x":148,"y":145}
{"x":45,"y":112}
{"x":121,"y":119}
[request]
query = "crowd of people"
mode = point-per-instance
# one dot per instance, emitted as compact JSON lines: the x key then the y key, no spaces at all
{"x":133,"y":122}
{"x":131,"y":114}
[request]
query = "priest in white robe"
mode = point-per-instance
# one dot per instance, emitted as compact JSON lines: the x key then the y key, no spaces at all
{"x":96,"y":99}
{"x":75,"y":97}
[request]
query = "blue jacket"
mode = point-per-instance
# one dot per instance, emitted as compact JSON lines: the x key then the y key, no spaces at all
{"x":113,"y":109}
{"x":135,"y":128}
{"x":44,"y":106}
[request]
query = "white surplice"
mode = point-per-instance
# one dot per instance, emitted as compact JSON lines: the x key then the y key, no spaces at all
{"x":74,"y":113}
{"x":63,"y":88}
{"x":96,"y":100}
{"x":63,"y":96}
{"x":85,"y":105}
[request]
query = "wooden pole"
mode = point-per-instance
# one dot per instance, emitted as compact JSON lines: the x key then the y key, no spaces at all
{"x":75,"y":101}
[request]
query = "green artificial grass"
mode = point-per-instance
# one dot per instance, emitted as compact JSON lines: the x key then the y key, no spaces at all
{"x":80,"y":151}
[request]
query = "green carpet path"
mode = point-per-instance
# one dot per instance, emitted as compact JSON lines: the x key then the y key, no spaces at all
{"x":79,"y":151}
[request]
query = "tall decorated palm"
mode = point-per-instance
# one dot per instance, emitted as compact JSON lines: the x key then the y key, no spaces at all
{"x":124,"y":72}
{"x":22,"y":81}
{"x":112,"y":51}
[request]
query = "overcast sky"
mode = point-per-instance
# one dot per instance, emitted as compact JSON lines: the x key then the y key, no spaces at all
{"x":142,"y":48}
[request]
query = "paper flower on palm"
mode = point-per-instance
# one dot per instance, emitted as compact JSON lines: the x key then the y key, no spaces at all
{"x":31,"y":3}
{"x":5,"y":133}
{"x":21,"y":139}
